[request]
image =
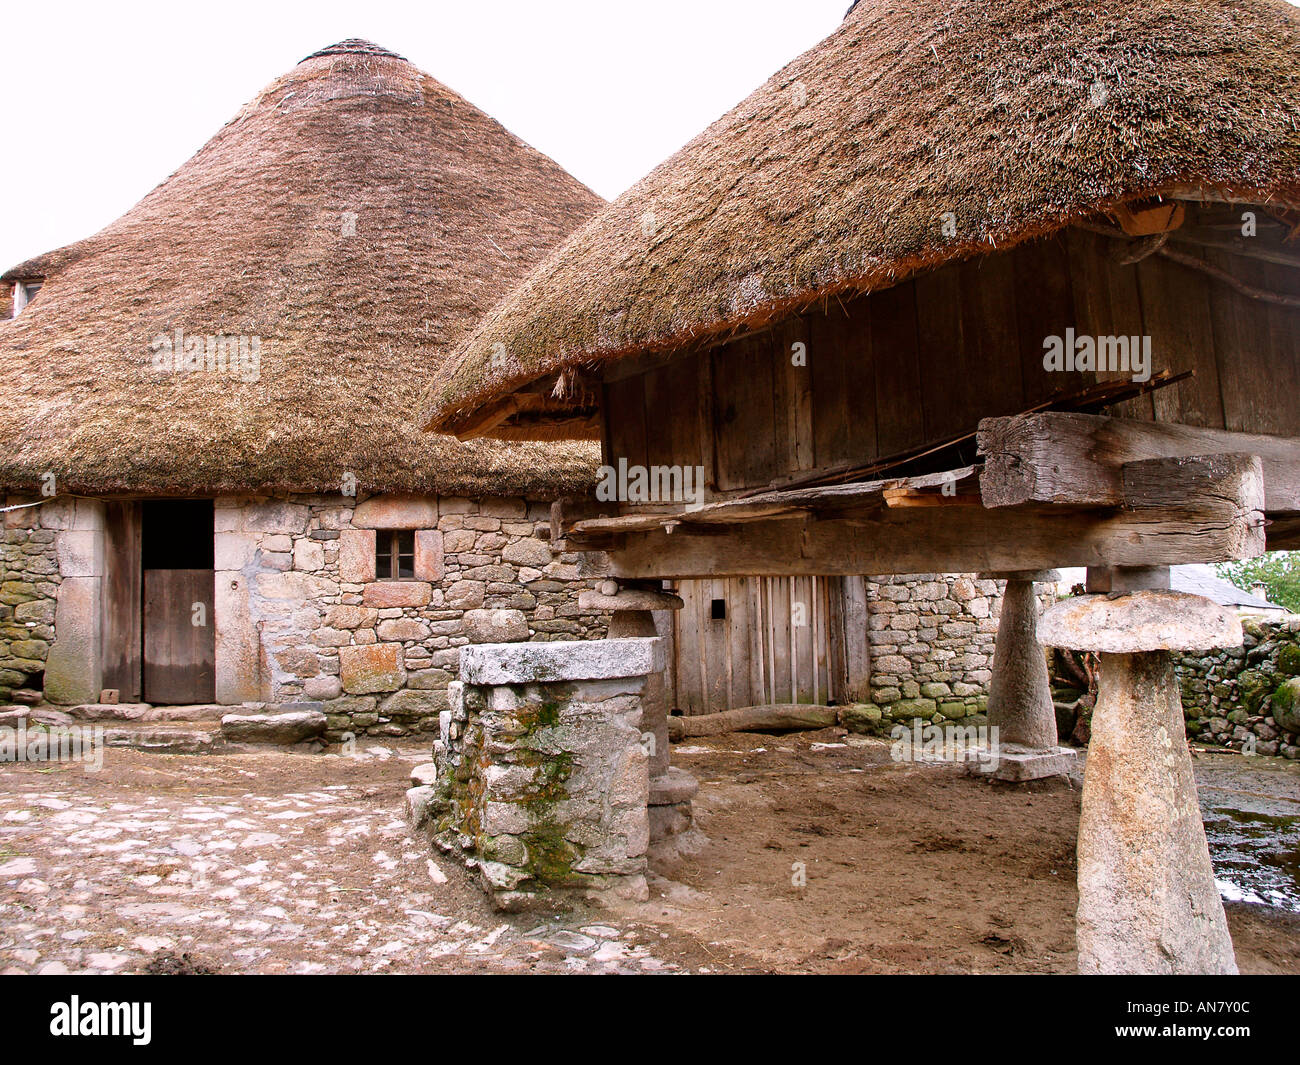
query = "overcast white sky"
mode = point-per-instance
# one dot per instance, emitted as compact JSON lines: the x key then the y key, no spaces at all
{"x":104,"y":100}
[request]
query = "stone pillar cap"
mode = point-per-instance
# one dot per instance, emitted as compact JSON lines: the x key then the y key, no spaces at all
{"x":1022,"y":575}
{"x":629,"y":599}
{"x":491,"y":664}
{"x":1140,"y":621}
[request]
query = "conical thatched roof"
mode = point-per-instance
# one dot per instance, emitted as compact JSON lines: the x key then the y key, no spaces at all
{"x":1014,"y":116}
{"x":357,"y":217}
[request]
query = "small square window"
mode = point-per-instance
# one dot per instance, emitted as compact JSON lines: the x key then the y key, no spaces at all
{"x":718,"y":611}
{"x":395,"y":555}
{"x":24,"y":293}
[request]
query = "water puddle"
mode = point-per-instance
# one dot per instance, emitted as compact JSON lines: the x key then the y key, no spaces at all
{"x":1255,"y":846}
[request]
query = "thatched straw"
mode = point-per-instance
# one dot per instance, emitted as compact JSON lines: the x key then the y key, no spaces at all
{"x":356,"y":217}
{"x":835,"y":176}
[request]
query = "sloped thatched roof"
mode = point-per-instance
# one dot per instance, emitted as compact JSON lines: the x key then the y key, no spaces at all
{"x":1015,"y":117}
{"x":356,"y":217}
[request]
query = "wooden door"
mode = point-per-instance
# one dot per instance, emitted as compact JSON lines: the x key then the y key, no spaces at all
{"x":121,"y":648}
{"x":757,"y":641}
{"x":179,"y":637}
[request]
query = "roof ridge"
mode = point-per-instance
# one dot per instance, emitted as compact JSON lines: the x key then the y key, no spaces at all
{"x":355,"y":46}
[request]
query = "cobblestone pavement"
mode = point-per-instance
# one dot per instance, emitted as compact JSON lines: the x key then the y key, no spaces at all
{"x":258,"y":863}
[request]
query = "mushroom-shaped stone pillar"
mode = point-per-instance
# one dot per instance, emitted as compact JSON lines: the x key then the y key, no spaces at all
{"x":1020,"y":693}
{"x":671,"y":789}
{"x":1147,"y":898}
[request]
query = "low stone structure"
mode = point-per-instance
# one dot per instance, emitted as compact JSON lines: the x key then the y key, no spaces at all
{"x":543,"y":768}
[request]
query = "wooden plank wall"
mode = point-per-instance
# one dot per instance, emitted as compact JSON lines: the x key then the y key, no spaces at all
{"x":927,"y":359}
{"x":784,"y":639}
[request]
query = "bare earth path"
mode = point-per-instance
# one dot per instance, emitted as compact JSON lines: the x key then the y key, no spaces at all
{"x":821,"y":856}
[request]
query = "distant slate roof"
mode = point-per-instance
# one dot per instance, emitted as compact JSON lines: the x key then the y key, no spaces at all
{"x":1202,"y":580}
{"x":1196,"y":579}
{"x":357,"y":217}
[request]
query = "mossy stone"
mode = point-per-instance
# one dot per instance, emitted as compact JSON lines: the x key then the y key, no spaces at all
{"x":1286,"y":705}
{"x":1288,"y":661}
{"x":863,"y":718}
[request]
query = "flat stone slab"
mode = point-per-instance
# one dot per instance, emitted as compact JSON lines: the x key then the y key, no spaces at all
{"x":424,"y":775}
{"x":283,"y":728}
{"x":13,"y":715}
{"x":630,"y":599}
{"x":48,"y":715}
{"x":147,"y":712}
{"x":673,"y":786}
{"x":1134,"y":622}
{"x":165,"y":737}
{"x":110,"y":711}
{"x":1018,"y":766}
{"x":490,"y":664}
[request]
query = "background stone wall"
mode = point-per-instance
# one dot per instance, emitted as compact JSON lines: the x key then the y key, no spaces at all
{"x":29,"y":584}
{"x":378,"y":655}
{"x":1247,"y":697}
{"x":931,"y":641}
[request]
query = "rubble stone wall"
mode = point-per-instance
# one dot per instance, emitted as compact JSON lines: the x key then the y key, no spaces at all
{"x":1248,"y":697}
{"x":302,"y":617}
{"x":29,"y":587}
{"x":931,"y":638}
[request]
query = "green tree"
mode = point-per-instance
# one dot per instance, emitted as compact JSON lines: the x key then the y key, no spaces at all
{"x":1278,"y":571}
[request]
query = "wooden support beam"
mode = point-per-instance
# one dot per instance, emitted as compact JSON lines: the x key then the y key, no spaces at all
{"x":1216,"y":517}
{"x":1078,"y":459}
{"x":785,"y":503}
{"x":915,"y":497}
{"x":484,"y":421}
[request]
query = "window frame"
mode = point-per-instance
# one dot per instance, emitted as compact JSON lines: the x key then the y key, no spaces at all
{"x":24,"y":292}
{"x":389,"y":544}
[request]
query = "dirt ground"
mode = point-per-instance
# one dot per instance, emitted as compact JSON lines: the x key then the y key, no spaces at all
{"x":911,"y":868}
{"x":285,"y":862}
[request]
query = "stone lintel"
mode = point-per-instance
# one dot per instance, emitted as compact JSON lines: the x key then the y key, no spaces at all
{"x":492,"y":664}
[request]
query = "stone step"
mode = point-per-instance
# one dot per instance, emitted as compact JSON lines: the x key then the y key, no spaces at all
{"x":169,"y":737}
{"x":197,"y":729}
{"x":148,"y":712}
{"x":281,"y":727}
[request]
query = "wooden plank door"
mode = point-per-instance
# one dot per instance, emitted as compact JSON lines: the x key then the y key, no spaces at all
{"x":769,"y":641}
{"x":179,"y":654}
{"x":120,"y":633}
